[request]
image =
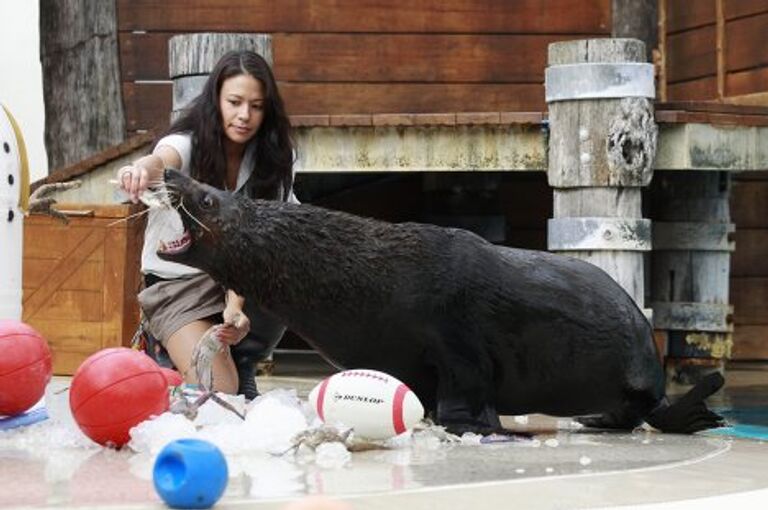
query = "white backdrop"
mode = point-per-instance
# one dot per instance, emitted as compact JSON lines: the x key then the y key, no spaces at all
{"x":21,"y":80}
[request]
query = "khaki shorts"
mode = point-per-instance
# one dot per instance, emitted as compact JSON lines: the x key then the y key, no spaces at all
{"x":170,"y":305}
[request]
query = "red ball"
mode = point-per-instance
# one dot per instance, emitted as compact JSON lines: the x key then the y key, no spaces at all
{"x":25,"y":367}
{"x":116,"y":389}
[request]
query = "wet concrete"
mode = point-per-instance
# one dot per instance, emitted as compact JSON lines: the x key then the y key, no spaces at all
{"x":560,"y":468}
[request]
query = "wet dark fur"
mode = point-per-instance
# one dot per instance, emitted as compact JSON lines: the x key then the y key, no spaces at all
{"x":473,"y":328}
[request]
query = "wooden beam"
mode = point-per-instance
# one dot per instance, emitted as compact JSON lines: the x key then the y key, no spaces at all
{"x":661,"y":60}
{"x":720,"y":48}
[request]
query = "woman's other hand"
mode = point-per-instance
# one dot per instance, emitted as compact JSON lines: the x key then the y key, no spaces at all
{"x":236,"y":325}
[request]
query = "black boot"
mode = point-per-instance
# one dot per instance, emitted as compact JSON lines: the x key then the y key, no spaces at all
{"x":257,"y":345}
{"x":245,"y":355}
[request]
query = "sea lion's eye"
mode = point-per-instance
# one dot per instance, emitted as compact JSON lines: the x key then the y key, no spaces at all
{"x":207,"y":202}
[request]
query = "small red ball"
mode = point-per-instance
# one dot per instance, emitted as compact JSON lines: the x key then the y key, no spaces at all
{"x":25,"y":367}
{"x":114,"y":390}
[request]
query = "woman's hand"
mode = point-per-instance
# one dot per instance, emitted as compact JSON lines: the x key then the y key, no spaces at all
{"x":147,"y":171}
{"x":134,"y":180}
{"x":236,"y":323}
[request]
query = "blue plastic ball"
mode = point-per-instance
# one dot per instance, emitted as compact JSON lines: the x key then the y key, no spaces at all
{"x":190,"y":473}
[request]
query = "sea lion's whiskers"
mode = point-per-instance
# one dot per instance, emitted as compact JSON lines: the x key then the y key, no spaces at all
{"x":155,"y":196}
{"x":181,"y":206}
{"x":129,"y":217}
{"x":158,"y":195}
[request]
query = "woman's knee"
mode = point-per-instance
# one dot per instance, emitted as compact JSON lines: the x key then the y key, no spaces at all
{"x":181,"y":346}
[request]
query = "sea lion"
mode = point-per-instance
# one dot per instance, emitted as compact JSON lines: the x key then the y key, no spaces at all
{"x":474,"y":329}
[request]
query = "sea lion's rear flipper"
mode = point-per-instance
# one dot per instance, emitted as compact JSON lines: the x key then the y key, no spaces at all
{"x":689,"y":414}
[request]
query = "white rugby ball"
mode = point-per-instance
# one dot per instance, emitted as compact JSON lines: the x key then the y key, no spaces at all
{"x":374,"y":404}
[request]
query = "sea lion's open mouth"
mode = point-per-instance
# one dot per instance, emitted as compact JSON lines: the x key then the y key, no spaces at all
{"x":176,"y":246}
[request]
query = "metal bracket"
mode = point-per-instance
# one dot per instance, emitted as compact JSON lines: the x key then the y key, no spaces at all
{"x":579,"y":234}
{"x":598,"y":81}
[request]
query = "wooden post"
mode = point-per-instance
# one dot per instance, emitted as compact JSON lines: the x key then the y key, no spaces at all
{"x":636,"y":19}
{"x":690,"y":269}
{"x":191,"y":57}
{"x":81,"y":79}
{"x":601,"y":149}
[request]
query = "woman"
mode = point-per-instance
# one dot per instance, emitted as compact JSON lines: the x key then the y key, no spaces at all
{"x":235,"y":136}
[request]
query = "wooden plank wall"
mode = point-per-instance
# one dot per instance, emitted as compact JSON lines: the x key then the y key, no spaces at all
{"x":715,"y":50}
{"x":749,"y":268}
{"x":367,"y":56}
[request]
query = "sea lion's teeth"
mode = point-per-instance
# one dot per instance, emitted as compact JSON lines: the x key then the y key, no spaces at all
{"x":162,"y":246}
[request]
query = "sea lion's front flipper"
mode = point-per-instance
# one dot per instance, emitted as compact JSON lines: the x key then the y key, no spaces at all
{"x":620,"y":420}
{"x":457,"y":416}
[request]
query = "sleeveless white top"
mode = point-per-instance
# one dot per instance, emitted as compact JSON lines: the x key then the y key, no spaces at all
{"x":165,"y":225}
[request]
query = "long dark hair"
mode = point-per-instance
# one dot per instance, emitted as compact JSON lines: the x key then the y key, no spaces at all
{"x":273,"y":165}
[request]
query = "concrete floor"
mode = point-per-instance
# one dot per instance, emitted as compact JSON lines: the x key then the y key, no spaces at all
{"x":564,"y":468}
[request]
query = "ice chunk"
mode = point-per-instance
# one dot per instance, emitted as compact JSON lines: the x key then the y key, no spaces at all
{"x":332,"y":455}
{"x":152,"y":435}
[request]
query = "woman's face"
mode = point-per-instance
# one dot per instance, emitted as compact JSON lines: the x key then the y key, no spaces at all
{"x":241,"y":102}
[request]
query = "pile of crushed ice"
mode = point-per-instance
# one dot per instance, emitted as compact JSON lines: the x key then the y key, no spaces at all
{"x":272,"y":422}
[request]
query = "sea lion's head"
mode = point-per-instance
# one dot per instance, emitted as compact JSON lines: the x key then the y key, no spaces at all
{"x":209,"y":216}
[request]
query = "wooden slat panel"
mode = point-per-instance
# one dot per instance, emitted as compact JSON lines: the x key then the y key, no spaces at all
{"x":144,"y":56}
{"x":701,"y":89}
{"x":749,"y":259}
{"x":70,"y":336}
{"x":97,"y":214}
{"x":61,"y":271}
{"x":746,"y":82}
{"x":410,"y":98}
{"x":715,"y":108}
{"x":87,"y":277}
{"x":52,"y":242}
{"x":683,"y":15}
{"x":67,"y":363}
{"x":114,"y":293}
{"x":147,"y":104}
{"x":72,"y":305}
{"x":717,"y":119}
{"x":756,"y":99}
{"x":437,"y":16}
{"x":746,"y":42}
{"x":132,"y":281}
{"x":342,"y":98}
{"x":372,"y":57}
{"x":749,"y":296}
{"x":749,"y":204}
{"x":412,"y":57}
{"x":736,"y":8}
{"x":750,"y":342}
{"x":691,"y":54}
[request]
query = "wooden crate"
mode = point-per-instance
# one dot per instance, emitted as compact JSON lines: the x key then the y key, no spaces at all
{"x":80,"y":280}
